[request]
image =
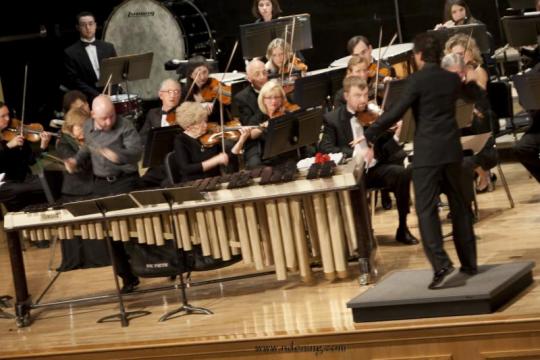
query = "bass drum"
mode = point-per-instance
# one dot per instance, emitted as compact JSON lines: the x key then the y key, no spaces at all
{"x":170,"y":32}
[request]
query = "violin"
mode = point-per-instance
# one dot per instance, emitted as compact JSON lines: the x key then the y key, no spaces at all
{"x":30,"y":132}
{"x":214,"y":133}
{"x":211,"y":91}
{"x":371,"y":113}
{"x":383,"y":71}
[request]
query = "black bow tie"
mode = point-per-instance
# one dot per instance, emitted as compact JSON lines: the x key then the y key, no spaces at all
{"x":85,"y":44}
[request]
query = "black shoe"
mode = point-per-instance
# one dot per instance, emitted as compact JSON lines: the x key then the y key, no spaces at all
{"x":468,"y":271}
{"x":404,"y":236}
{"x":130,"y":286}
{"x":386,"y":200}
{"x":43,"y":244}
{"x":439,"y":276}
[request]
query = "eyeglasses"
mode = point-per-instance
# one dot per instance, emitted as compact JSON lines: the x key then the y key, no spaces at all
{"x":170,"y":92}
{"x":275,"y":97}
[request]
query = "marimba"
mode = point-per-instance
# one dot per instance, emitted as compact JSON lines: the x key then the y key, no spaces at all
{"x":284,"y":225}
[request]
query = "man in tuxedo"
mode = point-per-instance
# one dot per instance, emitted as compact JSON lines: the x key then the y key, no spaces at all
{"x":82,"y":59}
{"x":248,"y":108}
{"x":342,"y":125}
{"x":432,"y":93}
{"x":169,"y":93}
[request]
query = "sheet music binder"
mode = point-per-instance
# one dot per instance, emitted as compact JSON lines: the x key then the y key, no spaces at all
{"x":159,"y":142}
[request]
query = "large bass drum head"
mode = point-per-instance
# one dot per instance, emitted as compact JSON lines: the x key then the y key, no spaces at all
{"x":141,"y":26}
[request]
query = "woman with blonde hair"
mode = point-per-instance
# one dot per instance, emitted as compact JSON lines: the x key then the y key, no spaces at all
{"x":281,"y":60}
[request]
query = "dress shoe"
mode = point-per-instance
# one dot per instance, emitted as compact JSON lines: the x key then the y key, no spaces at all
{"x":130,"y":286}
{"x":404,"y":236}
{"x":439,"y":276}
{"x":468,"y":271}
{"x":386,"y":200}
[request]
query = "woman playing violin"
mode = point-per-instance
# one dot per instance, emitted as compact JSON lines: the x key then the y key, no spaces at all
{"x":466,"y":47}
{"x":265,"y":10}
{"x":281,"y":60}
{"x":193,"y":160}
{"x":360,"y":45}
{"x":16,"y":157}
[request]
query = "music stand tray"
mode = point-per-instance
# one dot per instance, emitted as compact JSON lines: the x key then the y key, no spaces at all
{"x":479,"y":33}
{"x":125,"y":68}
{"x":254,"y":38}
{"x":167,"y":195}
{"x":521,"y":30}
{"x":292,"y":131}
{"x":528,"y":89}
{"x":159,"y":142}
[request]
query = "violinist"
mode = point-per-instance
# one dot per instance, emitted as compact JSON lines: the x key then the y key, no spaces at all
{"x":282,"y":60}
{"x":342,"y":125}
{"x":357,"y":66}
{"x":78,"y":253}
{"x":272,"y":103}
{"x":169,"y":93}
{"x":16,"y":157}
{"x":193,"y":160}
{"x":483,"y":119}
{"x":75,"y":99}
{"x":265,"y":10}
{"x":456,"y":12}
{"x":360,"y":45}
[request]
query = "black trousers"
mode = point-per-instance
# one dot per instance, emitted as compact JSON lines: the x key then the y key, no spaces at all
{"x":123,"y":184}
{"x":18,"y":195}
{"x":527,"y":150}
{"x":395,"y":178}
{"x":429,"y":182}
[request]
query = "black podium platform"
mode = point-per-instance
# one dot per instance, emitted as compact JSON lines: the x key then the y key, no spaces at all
{"x":404,"y":294}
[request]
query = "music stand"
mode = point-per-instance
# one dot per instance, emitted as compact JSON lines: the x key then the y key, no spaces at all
{"x":522,"y":30}
{"x":255,"y":37}
{"x":311,"y":91}
{"x":159,"y":142}
{"x":292,"y":131}
{"x":125,"y":68}
{"x":479,"y":33}
{"x":522,"y":4}
{"x":171,"y":196}
{"x":102,"y":206}
{"x":528,"y":89}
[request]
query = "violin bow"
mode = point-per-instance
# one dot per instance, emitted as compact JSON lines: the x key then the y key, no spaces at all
{"x":378,"y":63}
{"x":291,"y":65}
{"x":468,"y":45}
{"x":192,"y":85}
{"x":24,"y":99}
{"x":220,"y":94}
{"x":389,"y":44}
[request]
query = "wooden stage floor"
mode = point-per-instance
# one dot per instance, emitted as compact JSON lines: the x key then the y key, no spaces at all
{"x":277,"y":320}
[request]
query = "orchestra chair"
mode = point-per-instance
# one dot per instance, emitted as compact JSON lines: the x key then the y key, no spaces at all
{"x":170,"y":169}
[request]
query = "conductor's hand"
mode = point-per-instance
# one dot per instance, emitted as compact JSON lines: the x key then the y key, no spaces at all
{"x":71,"y":165}
{"x":357,"y":141}
{"x":15,"y":142}
{"x":109,"y":155}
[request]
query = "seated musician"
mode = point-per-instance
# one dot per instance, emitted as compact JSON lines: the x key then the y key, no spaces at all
{"x":21,"y":188}
{"x":248,"y":108}
{"x":282,"y":60}
{"x":114,"y":148}
{"x":342,"y":125}
{"x":78,"y":253}
{"x":75,"y":99}
{"x":265,"y":10}
{"x":357,"y":66}
{"x":483,"y":120}
{"x":193,"y":160}
{"x":169,"y":93}
{"x":272,"y":103}
{"x":456,"y":12}
{"x":360,"y":45}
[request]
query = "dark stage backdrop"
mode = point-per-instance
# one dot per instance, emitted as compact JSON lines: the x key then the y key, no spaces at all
{"x":333,"y":23}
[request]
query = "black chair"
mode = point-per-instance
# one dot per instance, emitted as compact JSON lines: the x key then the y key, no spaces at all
{"x":170,"y":169}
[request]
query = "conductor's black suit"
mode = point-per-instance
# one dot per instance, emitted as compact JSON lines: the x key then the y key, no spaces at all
{"x":432,"y":93}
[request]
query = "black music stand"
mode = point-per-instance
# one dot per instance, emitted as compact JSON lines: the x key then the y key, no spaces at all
{"x":528,"y":89}
{"x":102,"y":206}
{"x":292,"y":131}
{"x":522,"y":4}
{"x":478,"y":31}
{"x":170,"y":196}
{"x":522,"y":30}
{"x":311,"y":91}
{"x":125,"y":68}
{"x":255,"y":37}
{"x":159,"y":142}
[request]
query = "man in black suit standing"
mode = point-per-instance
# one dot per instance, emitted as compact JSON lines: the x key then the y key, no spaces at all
{"x":342,"y":125}
{"x":82,"y":59}
{"x":170,"y":93}
{"x":432,"y":93}
{"x":248,"y":108}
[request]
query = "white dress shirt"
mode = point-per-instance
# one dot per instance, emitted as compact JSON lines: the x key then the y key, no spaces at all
{"x":91,"y":50}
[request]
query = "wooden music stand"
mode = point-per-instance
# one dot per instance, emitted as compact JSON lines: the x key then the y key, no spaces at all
{"x":171,"y":196}
{"x":102,"y":206}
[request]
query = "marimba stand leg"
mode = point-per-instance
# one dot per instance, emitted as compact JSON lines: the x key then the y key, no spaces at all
{"x":124,"y":316}
{"x":186,"y":307}
{"x":4,"y":303}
